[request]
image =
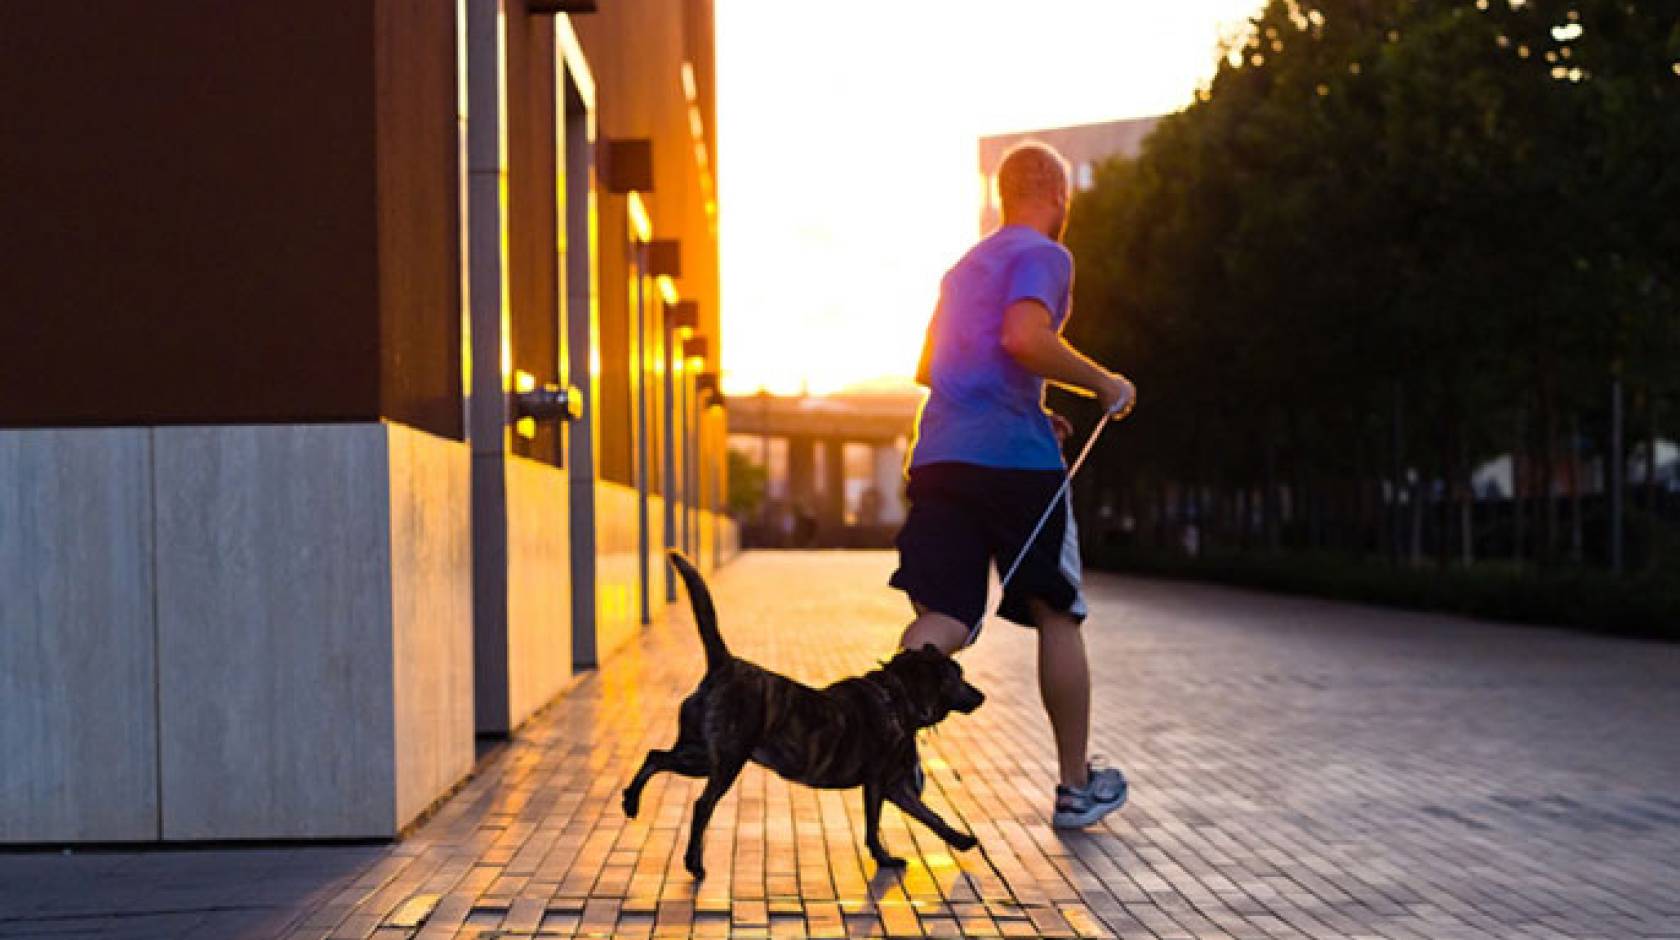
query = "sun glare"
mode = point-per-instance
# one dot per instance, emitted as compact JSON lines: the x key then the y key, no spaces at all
{"x":848,"y":154}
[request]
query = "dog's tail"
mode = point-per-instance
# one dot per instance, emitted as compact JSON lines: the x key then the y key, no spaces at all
{"x":717,"y":654}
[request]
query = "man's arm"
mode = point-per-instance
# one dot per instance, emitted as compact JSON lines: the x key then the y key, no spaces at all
{"x":1030,"y":340}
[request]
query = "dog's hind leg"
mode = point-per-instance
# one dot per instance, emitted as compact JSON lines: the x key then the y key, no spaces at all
{"x":725,"y":768}
{"x":690,"y":762}
{"x":904,"y":796}
{"x":872,"y":827}
{"x":686,"y":757}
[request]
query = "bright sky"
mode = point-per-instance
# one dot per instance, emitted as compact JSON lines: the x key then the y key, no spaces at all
{"x":848,"y":153}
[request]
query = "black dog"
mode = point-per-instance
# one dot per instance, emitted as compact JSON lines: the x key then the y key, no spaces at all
{"x":856,"y":732}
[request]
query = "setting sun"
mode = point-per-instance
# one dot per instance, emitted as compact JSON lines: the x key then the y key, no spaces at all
{"x":848,"y":154}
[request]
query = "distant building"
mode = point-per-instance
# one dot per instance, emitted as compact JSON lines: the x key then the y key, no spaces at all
{"x":1084,"y":146}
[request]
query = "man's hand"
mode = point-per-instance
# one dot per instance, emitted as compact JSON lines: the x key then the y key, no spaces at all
{"x":1118,"y":396}
{"x":1030,"y":339}
{"x":1060,"y":426}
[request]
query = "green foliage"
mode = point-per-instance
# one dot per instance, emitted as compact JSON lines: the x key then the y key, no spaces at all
{"x":747,"y":481}
{"x":1393,"y":235}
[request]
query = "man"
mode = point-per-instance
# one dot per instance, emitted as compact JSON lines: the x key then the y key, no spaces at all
{"x":987,"y":460}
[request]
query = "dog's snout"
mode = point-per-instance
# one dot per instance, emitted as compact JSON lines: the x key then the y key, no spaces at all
{"x":970,"y":699}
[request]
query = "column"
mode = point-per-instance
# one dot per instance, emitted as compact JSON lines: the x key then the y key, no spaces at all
{"x":832,"y":515}
{"x":888,"y":479}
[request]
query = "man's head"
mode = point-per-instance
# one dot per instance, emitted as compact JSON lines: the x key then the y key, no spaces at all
{"x":1032,"y":183}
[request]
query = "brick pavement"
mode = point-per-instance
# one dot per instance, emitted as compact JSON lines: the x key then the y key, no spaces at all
{"x":1300,"y":768}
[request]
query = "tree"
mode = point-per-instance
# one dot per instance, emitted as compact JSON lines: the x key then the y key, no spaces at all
{"x":1392,"y":239}
{"x":747,"y":481}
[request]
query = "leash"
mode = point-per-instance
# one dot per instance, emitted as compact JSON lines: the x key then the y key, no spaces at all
{"x":1067,"y":481}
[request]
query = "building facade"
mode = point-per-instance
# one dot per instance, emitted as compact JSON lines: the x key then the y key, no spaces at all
{"x":357,"y":366}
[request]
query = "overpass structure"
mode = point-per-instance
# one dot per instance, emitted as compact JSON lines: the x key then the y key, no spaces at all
{"x":816,"y":495}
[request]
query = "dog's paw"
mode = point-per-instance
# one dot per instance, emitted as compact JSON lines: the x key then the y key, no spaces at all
{"x":889,"y":861}
{"x":963,"y":842}
{"x":632,"y":803}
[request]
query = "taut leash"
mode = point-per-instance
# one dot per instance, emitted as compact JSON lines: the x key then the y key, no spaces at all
{"x":1061,"y":491}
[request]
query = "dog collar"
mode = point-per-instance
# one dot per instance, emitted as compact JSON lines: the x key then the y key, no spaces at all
{"x":880,"y":687}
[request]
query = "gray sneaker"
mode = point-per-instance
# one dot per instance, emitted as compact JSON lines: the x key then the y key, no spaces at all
{"x":1103,"y":793}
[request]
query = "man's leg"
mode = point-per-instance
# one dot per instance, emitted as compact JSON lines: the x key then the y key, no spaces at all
{"x":942,"y":558}
{"x":947,"y":633}
{"x":1064,"y":683}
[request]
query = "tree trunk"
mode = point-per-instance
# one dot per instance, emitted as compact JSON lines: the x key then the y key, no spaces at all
{"x":1651,"y":452}
{"x":1549,"y":456}
{"x":1223,"y":512}
{"x":1195,"y":519}
{"x":1466,"y":499}
{"x":1517,"y":490}
{"x":1577,"y":544}
{"x":1315,"y":513}
{"x":1397,"y":548}
{"x":1416,"y":496}
{"x":1443,"y":515}
{"x":1614,"y":468}
{"x":1184,"y":522}
{"x":1245,"y":504}
{"x":1360,"y":491}
{"x":1269,"y":501}
{"x":1467,"y":520}
{"x":1163,"y":502}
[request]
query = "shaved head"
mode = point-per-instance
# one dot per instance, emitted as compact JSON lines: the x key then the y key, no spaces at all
{"x":1032,"y":184}
{"x":1031,"y":171}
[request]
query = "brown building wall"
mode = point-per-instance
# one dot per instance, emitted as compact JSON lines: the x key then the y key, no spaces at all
{"x":229,"y":212}
{"x":533,"y":214}
{"x":421,"y":306}
{"x":635,"y":49}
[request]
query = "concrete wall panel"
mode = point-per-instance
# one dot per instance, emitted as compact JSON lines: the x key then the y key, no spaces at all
{"x":78,"y":748}
{"x":431,"y":617}
{"x":275,"y":646}
{"x":656,"y":564}
{"x":538,"y":584}
{"x":616,"y":575}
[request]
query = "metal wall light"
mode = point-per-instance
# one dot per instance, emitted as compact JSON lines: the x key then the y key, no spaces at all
{"x":664,"y":257}
{"x":706,"y":383}
{"x":696,"y":347}
{"x":546,"y":402}
{"x":627,"y":165}
{"x":685,"y":317}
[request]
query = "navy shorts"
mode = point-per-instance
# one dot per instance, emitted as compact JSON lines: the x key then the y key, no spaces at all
{"x":964,"y":517}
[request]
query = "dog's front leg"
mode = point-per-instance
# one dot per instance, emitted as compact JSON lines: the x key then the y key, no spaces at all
{"x":872,"y":827}
{"x":725,"y":768}
{"x":903,"y":795}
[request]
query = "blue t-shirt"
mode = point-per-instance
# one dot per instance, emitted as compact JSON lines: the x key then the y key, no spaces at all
{"x":982,"y":406}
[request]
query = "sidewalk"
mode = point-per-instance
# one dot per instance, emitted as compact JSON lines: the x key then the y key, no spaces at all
{"x":1300,"y":769}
